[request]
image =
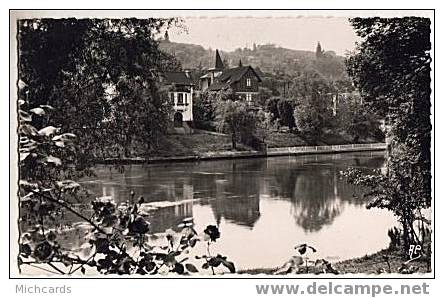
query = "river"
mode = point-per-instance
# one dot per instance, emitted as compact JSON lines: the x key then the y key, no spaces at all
{"x":263,"y":206}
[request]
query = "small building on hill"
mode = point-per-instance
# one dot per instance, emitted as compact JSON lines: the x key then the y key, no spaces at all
{"x":243,"y":80}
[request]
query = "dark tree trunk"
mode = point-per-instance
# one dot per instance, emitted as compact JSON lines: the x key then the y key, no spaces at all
{"x":233,"y":141}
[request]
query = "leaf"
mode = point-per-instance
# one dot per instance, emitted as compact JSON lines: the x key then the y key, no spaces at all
{"x":28,"y":129}
{"x":312,"y":248}
{"x":47,"y":131}
{"x":23,"y":155}
{"x":25,"y":250}
{"x":27,"y":197}
{"x":69,"y":135}
{"x":215,"y":261}
{"x":191,"y":268}
{"x":60,"y":144}
{"x":21,"y":84}
{"x":67,"y":184}
{"x":47,"y":107}
{"x":302,"y":248}
{"x":178,"y":268}
{"x":229,"y":265}
{"x":38,"y":111}
{"x":55,"y":160}
{"x":28,"y":185}
{"x":193,"y":242}
{"x":64,"y":137}
{"x":24,"y":116}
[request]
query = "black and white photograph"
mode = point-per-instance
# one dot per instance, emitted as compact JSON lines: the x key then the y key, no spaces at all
{"x":222,"y":144}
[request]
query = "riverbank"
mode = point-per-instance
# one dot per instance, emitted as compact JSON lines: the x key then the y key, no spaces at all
{"x":204,"y":145}
{"x":385,"y":261}
{"x":229,"y":154}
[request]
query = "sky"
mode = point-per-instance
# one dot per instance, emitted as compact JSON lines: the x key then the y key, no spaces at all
{"x":300,"y":33}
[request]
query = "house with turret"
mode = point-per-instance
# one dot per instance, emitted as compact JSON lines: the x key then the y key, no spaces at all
{"x":243,"y":80}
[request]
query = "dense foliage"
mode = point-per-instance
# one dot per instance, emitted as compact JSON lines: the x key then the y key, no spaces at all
{"x":286,"y":113}
{"x":86,"y":86}
{"x":355,"y":119}
{"x":102,"y":75}
{"x":391,"y":68}
{"x":204,"y":110}
{"x":237,"y":119}
{"x":313,"y":105}
{"x":115,"y":236}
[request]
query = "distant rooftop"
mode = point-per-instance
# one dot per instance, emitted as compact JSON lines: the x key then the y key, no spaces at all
{"x":179,"y":77}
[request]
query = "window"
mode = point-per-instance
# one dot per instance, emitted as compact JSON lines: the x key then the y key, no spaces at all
{"x":186,"y":98}
{"x":248,"y":82}
{"x":180,"y":99}
{"x":248,"y":97}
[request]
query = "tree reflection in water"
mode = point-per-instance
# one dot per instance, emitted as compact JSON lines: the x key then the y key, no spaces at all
{"x":233,"y":188}
{"x":315,"y":189}
{"x":237,"y":197}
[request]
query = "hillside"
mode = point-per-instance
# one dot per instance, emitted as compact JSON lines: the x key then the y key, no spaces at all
{"x":269,"y":58}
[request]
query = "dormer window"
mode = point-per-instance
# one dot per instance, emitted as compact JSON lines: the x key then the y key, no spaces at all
{"x":248,"y":82}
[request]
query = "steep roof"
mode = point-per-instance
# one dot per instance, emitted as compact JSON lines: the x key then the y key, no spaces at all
{"x":233,"y":75}
{"x":218,"y":86}
{"x":219,"y":64}
{"x":179,"y":77}
{"x":230,"y":76}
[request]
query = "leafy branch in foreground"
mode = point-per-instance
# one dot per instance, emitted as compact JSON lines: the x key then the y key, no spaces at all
{"x":116,"y":237}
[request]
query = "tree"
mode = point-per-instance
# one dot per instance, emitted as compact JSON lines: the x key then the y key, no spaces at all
{"x":312,"y":111}
{"x":235,"y":118}
{"x":115,"y":83}
{"x":391,"y":68}
{"x":271,"y":105}
{"x":204,"y":110}
{"x":264,"y":94}
{"x":355,"y":119}
{"x":286,"y":113}
{"x":104,"y":74}
{"x":45,"y":195}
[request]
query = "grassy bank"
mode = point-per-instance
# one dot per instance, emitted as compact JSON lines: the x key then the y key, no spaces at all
{"x":185,"y":145}
{"x":383,"y":262}
{"x":201,"y":142}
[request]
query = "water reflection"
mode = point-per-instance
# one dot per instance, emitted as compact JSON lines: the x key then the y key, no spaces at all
{"x":233,"y":188}
{"x":235,"y":194}
{"x":237,"y":200}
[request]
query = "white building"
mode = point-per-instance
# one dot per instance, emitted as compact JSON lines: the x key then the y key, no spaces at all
{"x":181,"y":95}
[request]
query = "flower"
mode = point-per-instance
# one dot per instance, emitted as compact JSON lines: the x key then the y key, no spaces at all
{"x":213,"y":232}
{"x":43,"y":251}
{"x":139,"y":226}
